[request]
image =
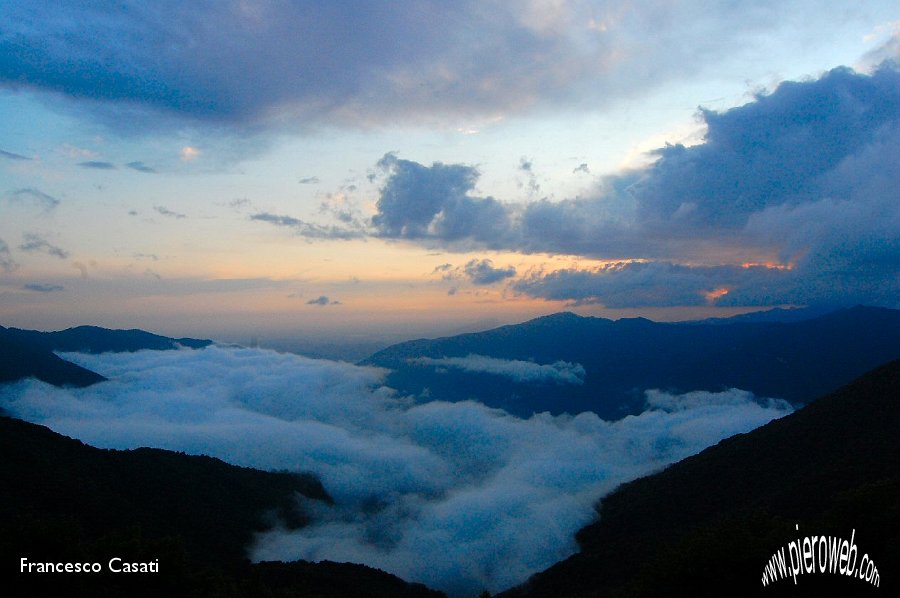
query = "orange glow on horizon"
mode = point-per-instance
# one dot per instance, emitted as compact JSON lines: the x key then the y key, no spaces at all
{"x":714,"y":294}
{"x":769,"y":264}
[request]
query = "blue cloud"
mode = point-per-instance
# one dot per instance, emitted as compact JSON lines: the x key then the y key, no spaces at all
{"x":322,"y":301}
{"x":13,"y":156}
{"x":97,"y":165}
{"x":239,"y":63}
{"x":31,"y":194}
{"x":7,"y":263}
{"x":804,"y":179}
{"x":140,"y":167}
{"x":435,"y":202}
{"x":43,"y":288}
{"x":33,"y":243}
{"x":310,"y":230}
{"x":483,"y":272}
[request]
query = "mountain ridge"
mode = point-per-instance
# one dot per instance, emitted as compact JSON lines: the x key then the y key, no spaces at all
{"x":797,"y":361}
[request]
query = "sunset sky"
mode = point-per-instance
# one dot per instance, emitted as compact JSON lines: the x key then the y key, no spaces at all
{"x":248,"y":169}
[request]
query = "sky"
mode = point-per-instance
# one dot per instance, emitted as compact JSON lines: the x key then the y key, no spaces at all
{"x":356,"y":170}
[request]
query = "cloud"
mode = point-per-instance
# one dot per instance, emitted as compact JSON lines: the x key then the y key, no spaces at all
{"x":43,"y":288}
{"x":483,"y":272}
{"x":12,"y":156}
{"x":246,"y":64}
{"x":310,"y":180}
{"x":322,"y":300}
{"x":167,"y":212}
{"x":803,"y":180}
{"x":31,"y":194}
{"x":7,"y":263}
{"x":33,"y":242}
{"x":310,"y":230}
{"x":140,"y":167}
{"x":656,"y":284}
{"x":583,"y":167}
{"x":189,"y":153}
{"x":97,"y":165}
{"x":560,"y":372}
{"x":458,"y":496}
{"x":434,"y":203}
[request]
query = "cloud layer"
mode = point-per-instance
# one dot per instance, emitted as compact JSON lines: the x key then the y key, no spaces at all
{"x":458,"y":496}
{"x":791,"y":198}
{"x":253,"y":63}
{"x":560,"y":372}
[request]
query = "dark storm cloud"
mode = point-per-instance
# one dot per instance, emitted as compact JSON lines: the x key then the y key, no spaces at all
{"x":33,"y":195}
{"x":483,"y":272}
{"x":804,"y":178}
{"x":43,"y":288}
{"x":244,"y":63}
{"x":97,"y":165}
{"x":309,"y":230}
{"x":140,"y":167}
{"x":36,"y":243}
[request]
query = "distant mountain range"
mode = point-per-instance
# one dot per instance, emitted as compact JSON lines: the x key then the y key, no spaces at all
{"x":64,"y":501}
{"x":605,"y":366}
{"x":29,"y":353}
{"x":708,"y":525}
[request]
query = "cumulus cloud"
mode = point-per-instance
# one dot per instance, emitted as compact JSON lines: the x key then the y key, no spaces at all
{"x":97,"y":165}
{"x":455,"y":495}
{"x":342,"y":62}
{"x":33,"y":242}
{"x":560,"y":372}
{"x":435,"y":203}
{"x":39,"y":287}
{"x":483,"y":272}
{"x":33,"y":195}
{"x":7,"y":263}
{"x":795,"y":190}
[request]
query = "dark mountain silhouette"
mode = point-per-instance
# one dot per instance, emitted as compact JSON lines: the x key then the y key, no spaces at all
{"x":707,"y":526}
{"x":64,"y":501}
{"x":93,"y":339}
{"x":29,"y":353}
{"x":21,"y":358}
{"x":797,"y":361}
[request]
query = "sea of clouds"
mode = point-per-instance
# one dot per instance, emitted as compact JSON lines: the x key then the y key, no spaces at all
{"x":455,"y":495}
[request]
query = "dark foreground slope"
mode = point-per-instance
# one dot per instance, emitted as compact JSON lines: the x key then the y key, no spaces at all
{"x":798,"y":361}
{"x":29,"y":353}
{"x":707,"y":525}
{"x":63,"y":501}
